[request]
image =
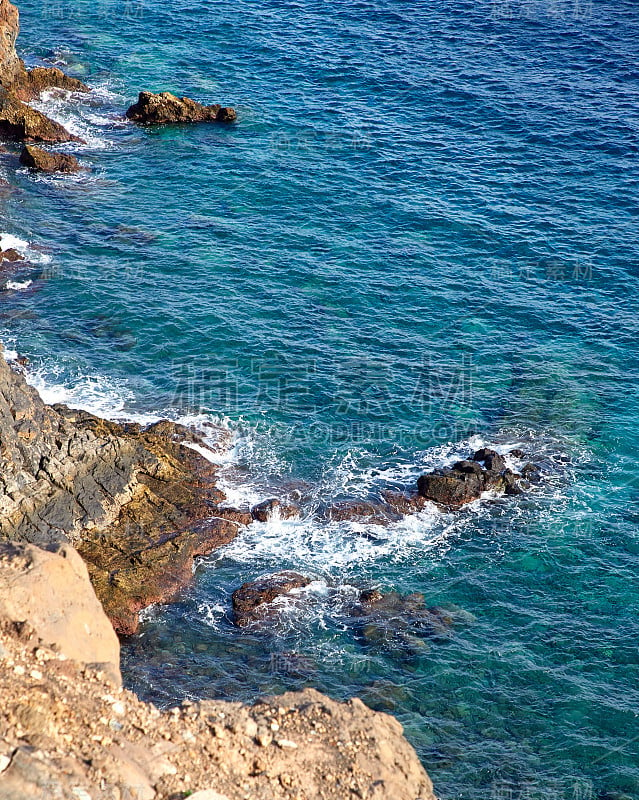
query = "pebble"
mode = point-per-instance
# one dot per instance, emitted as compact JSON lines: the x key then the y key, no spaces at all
{"x":18,"y":669}
{"x":283,"y":743}
{"x":4,"y":762}
{"x":36,"y":674}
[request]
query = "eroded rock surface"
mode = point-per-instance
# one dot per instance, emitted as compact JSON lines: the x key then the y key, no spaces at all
{"x":163,"y":108}
{"x":136,"y":502}
{"x":20,"y":122}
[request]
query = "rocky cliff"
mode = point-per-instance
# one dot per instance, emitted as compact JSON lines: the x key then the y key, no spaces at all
{"x":69,"y":731}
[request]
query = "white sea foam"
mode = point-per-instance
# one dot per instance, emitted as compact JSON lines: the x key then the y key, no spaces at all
{"x":15,"y":286}
{"x":29,"y":252}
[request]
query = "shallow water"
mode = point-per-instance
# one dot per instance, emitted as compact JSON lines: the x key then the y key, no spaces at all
{"x":420,"y":236}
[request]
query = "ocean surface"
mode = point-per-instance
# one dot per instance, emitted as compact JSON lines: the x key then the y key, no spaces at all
{"x":420,"y":237}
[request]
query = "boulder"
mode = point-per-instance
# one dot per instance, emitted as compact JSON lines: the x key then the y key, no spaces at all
{"x":11,"y":255}
{"x":268,"y":509}
{"x":251,"y":599}
{"x":491,"y":459}
{"x":50,"y":592}
{"x":163,"y":108}
{"x":466,"y":480}
{"x":20,"y":122}
{"x":45,"y":161}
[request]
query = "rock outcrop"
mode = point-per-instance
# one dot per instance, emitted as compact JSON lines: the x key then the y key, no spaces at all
{"x":251,"y":602}
{"x":163,"y":108}
{"x":467,"y":480}
{"x":50,"y":593}
{"x":137,"y":503}
{"x":19,"y":121}
{"x":271,"y":508}
{"x":12,"y":69}
{"x":45,"y":161}
{"x":67,"y":733}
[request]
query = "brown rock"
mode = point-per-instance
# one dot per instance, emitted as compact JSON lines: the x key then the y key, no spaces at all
{"x":250,"y":600}
{"x":11,"y":255}
{"x":20,"y":122}
{"x":163,"y":108}
{"x":11,"y":67}
{"x":45,"y":161}
{"x":51,"y":592}
{"x":38,"y":79}
{"x":266,"y":510}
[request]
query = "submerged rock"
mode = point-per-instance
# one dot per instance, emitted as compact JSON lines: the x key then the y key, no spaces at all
{"x":163,"y":108}
{"x":397,"y":620}
{"x":251,"y":599}
{"x":44,"y":161}
{"x":20,"y":122}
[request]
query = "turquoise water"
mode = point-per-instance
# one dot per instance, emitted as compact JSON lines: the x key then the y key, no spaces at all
{"x":420,"y":236}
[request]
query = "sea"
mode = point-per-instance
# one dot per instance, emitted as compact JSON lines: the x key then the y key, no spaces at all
{"x":420,"y":237}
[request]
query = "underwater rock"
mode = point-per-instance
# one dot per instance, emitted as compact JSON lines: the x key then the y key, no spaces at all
{"x":267,"y":509}
{"x":251,"y":599}
{"x":163,"y":108}
{"x":44,"y":161}
{"x":400,"y":621}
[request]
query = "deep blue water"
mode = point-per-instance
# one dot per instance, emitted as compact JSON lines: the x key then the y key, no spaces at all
{"x":421,"y":235}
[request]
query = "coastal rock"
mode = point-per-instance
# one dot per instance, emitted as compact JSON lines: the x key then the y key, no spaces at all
{"x":74,"y":623}
{"x":362,"y":511}
{"x":163,"y":108}
{"x":466,"y":480}
{"x":45,"y":161}
{"x":11,"y":255}
{"x":20,"y":122}
{"x":268,"y":509}
{"x":17,"y":120}
{"x":11,"y":66}
{"x":251,"y":599}
{"x":136,"y":503}
{"x":66,"y":732}
{"x":37,"y":80}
